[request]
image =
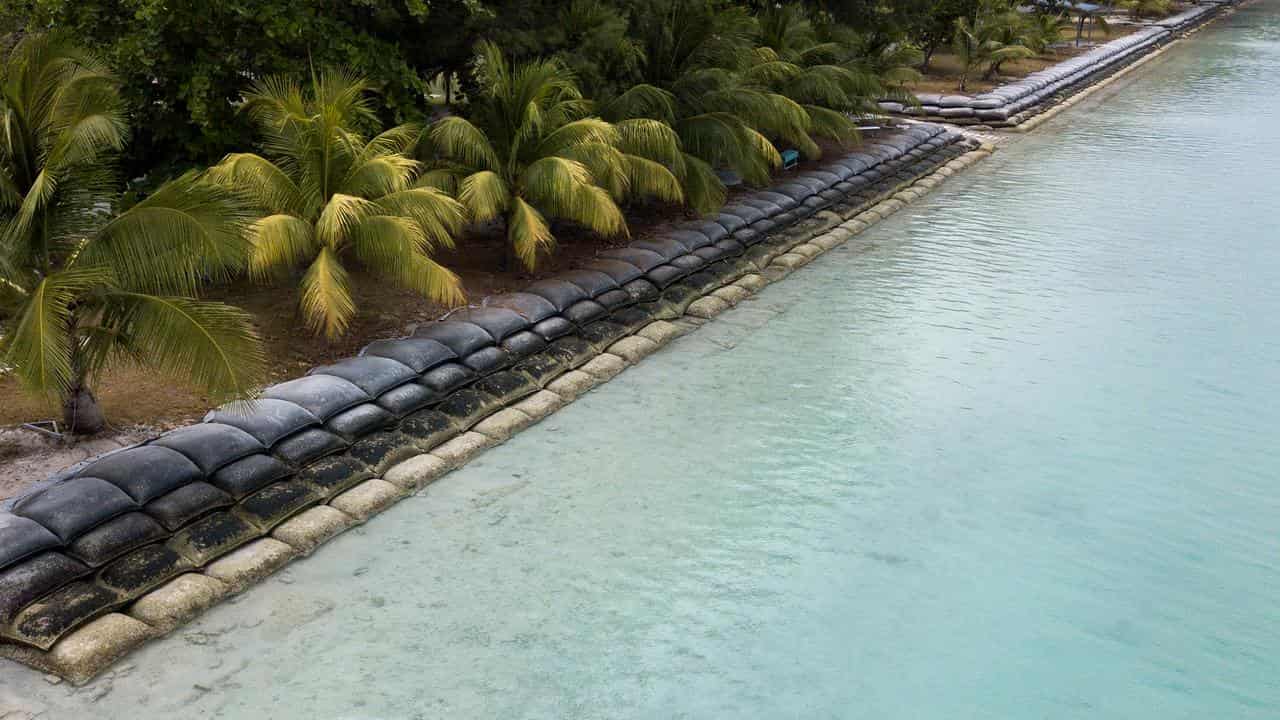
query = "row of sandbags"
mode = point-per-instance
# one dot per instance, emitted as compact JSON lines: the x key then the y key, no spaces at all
{"x":102,"y":533}
{"x":1008,"y":103}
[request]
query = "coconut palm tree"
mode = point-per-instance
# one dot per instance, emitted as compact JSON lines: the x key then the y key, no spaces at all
{"x":86,"y":282}
{"x":829,"y":69}
{"x":984,"y":42}
{"x":329,"y":196}
{"x":692,"y":77}
{"x":530,"y":151}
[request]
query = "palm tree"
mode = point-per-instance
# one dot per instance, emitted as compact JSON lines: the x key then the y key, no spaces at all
{"x":86,"y":283}
{"x":830,"y":69}
{"x":692,"y":78}
{"x":530,"y":151}
{"x":327,"y":195}
{"x":984,"y":42}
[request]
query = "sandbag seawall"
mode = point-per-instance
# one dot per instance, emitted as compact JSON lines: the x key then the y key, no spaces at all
{"x":129,"y":545}
{"x":1012,"y":104}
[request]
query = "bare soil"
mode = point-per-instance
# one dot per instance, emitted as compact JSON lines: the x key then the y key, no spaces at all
{"x":943,"y":75}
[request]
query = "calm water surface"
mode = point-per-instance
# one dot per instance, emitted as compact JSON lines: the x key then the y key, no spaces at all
{"x":1011,"y":454}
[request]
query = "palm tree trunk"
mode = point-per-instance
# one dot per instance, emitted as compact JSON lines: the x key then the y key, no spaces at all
{"x":81,"y":413}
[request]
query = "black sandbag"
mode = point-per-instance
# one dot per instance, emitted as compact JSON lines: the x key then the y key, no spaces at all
{"x":644,"y":259}
{"x":333,"y":475}
{"x":841,"y":172}
{"x":500,"y":323}
{"x":832,"y":195}
{"x":688,"y":261}
{"x":541,"y":368}
{"x":729,"y":222}
{"x":553,"y":327}
{"x":362,"y":419}
{"x":249,"y":475}
{"x":211,"y":537}
{"x":710,"y":254}
{"x":428,"y":428}
{"x":466,"y":407}
{"x":508,"y":386}
{"x":602,"y":333}
{"x":782,"y":220}
{"x":767,"y":207}
{"x":764,"y":226}
{"x":666,"y":247}
{"x":642,"y":290}
{"x":526,"y":342}
{"x":731,"y":246}
{"x":746,"y":212}
{"x":749,"y":237}
{"x":487,"y":360}
{"x":572,"y":351}
{"x":691,"y":239}
{"x":463,"y":338}
{"x":382,"y":449}
{"x":406,"y":398}
{"x":65,"y":609}
{"x":187,"y":503}
{"x":38,"y":575}
{"x":418,"y":353}
{"x":664,"y":275}
{"x":321,"y":395}
{"x":784,"y":202}
{"x":115,"y":537}
{"x":143,"y":569}
{"x":632,"y":318}
{"x":75,"y":506}
{"x":593,"y":283}
{"x":621,"y":272}
{"x":559,"y":293}
{"x":713,"y":230}
{"x":534,"y":308}
{"x":210,"y":445}
{"x":615,"y":299}
{"x":21,"y":538}
{"x":584,"y":311}
{"x":144,"y":472}
{"x":276,"y":503}
{"x":308,"y":445}
{"x":374,"y":375}
{"x":827,"y":179}
{"x":795,"y":191}
{"x":266,"y":419}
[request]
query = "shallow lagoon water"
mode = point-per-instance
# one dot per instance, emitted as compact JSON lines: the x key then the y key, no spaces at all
{"x":1010,"y":454}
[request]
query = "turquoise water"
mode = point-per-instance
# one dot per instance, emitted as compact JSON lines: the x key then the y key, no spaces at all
{"x":1007,"y":455}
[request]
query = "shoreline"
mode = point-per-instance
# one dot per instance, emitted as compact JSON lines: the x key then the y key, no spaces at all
{"x":385,"y":471}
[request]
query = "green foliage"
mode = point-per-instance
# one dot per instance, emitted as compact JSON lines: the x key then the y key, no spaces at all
{"x":86,"y":282}
{"x":530,"y":151}
{"x":996,"y":35}
{"x":327,"y":195}
{"x":183,"y":63}
{"x":1147,"y":8}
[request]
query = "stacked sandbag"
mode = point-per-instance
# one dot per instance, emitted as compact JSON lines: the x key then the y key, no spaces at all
{"x":1011,"y":104}
{"x":98,"y":536}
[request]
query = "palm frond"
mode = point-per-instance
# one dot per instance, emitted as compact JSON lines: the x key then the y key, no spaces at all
{"x":279,"y":243}
{"x":485,"y":194}
{"x":183,"y":234}
{"x":211,"y":344}
{"x":262,"y":182}
{"x":326,"y":303}
{"x":459,"y":140}
{"x":439,"y":216}
{"x":394,"y":247}
{"x":339,"y":216}
{"x":39,"y":344}
{"x":527,"y":232}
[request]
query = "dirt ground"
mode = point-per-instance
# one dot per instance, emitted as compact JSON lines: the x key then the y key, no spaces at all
{"x":944,"y":68}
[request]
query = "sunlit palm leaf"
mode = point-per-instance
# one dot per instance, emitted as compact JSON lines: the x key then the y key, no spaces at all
{"x":327,"y":304}
{"x":485,"y":194}
{"x":38,"y":344}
